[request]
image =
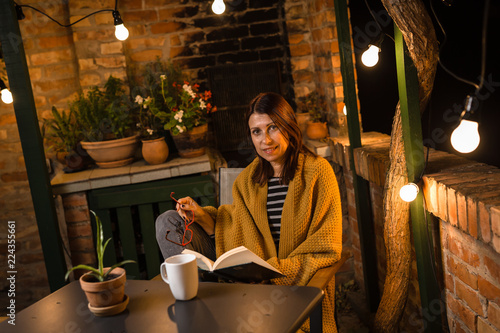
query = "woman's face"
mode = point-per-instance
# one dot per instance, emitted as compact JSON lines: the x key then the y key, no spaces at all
{"x":268,"y":140}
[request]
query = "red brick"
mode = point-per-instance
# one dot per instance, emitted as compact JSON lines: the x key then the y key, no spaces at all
{"x":462,"y":312}
{"x":472,"y":217}
{"x":55,"y":41}
{"x":166,"y":27}
{"x":462,"y":272}
{"x":494,"y":314}
{"x":31,"y":257}
{"x":463,"y":252}
{"x":10,"y":177}
{"x":146,"y":55}
{"x":52,"y":57}
{"x":484,"y":222}
{"x":79,"y":229}
{"x":493,"y":266}
{"x":452,"y":206}
{"x":484,"y":327}
{"x":443,"y":202}
{"x":495,"y":220}
{"x":7,"y":119}
{"x":449,"y":282}
{"x":462,"y":212}
{"x":51,"y":85}
{"x":470,"y":297}
{"x":300,"y":50}
{"x":75,"y":199}
{"x":80,"y":214}
{"x":140,"y":16}
{"x":81,"y":244}
{"x":429,"y":190}
{"x":488,"y":290}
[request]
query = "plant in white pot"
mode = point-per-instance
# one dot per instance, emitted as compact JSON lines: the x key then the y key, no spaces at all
{"x":103,"y":286}
{"x":108,"y":124}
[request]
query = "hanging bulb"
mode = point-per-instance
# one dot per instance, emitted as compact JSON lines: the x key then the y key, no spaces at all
{"x":121,"y":32}
{"x":5,"y":92}
{"x":218,"y":7}
{"x":408,"y":192}
{"x":6,"y":96}
{"x":465,"y":138}
{"x":344,"y":109}
{"x":369,"y":58}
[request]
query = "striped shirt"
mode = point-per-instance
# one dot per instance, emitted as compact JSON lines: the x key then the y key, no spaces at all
{"x":276,"y":195}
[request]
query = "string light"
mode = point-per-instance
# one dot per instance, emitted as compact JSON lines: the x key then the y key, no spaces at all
{"x":218,"y":7}
{"x":465,"y":138}
{"x":409,"y":192}
{"x":121,"y":32}
{"x":344,"y":109}
{"x":370,"y":57}
{"x":5,"y":92}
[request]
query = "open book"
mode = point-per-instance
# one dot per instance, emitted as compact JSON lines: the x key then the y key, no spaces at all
{"x":238,"y":264}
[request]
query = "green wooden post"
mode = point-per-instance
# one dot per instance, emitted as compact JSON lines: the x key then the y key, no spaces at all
{"x":412,"y":135}
{"x":361,"y":186}
{"x":31,"y":141}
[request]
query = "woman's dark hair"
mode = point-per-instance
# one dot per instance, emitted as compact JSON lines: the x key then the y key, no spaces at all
{"x":283,"y":116}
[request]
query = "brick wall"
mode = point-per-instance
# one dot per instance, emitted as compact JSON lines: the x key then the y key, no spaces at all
{"x":63,"y":61}
{"x":464,"y":198}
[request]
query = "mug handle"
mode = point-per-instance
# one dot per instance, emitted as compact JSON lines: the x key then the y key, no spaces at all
{"x":163,"y":272}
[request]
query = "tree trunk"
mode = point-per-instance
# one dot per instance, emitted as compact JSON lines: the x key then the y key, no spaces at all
{"x":418,"y":32}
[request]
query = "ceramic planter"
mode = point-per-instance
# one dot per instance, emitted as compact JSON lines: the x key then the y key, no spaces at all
{"x":316,"y":131}
{"x":192,"y":143}
{"x":112,"y":153}
{"x":155,"y":151}
{"x":105,"y":294}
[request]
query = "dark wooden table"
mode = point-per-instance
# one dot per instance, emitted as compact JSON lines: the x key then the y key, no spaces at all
{"x":219,"y":307}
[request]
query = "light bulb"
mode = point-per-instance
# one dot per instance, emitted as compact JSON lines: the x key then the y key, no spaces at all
{"x":218,"y":7}
{"x":6,"y":96}
{"x":408,"y":192}
{"x":345,"y":110}
{"x":121,"y":32}
{"x":465,"y":138}
{"x":369,"y":58}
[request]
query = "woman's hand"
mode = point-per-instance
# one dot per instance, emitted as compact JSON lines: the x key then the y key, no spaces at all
{"x":186,"y":206}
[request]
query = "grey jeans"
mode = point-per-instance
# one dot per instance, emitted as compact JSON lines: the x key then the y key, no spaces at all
{"x":171,"y":220}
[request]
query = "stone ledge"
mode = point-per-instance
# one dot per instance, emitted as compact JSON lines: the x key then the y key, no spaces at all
{"x":462,"y":192}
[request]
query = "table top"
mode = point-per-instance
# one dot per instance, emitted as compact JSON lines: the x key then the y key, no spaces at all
{"x":219,"y":307}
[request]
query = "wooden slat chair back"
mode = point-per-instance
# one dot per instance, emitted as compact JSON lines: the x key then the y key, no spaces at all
{"x":128,"y":215}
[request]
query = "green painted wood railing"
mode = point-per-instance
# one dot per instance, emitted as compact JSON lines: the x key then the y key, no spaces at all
{"x":430,"y":297}
{"x":361,"y":186}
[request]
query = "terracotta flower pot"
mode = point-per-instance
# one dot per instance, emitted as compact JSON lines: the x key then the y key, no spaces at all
{"x":316,"y":131}
{"x":106,"y":293}
{"x":155,"y":151}
{"x":192,"y":143}
{"x":112,"y":153}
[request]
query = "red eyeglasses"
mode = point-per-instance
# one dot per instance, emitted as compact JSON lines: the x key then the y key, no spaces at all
{"x":186,"y":228}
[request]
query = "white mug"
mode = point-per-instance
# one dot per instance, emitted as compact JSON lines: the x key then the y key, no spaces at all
{"x":181,"y":273}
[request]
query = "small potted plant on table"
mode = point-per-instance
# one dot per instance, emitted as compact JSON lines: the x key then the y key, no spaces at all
{"x":103,"y":286}
{"x":315,"y":105}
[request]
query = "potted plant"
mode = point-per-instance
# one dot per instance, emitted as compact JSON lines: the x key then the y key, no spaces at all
{"x":107,"y":124}
{"x":315,"y":105}
{"x":63,"y":134}
{"x":103,"y":286}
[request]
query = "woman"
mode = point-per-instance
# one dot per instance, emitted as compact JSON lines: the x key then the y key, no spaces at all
{"x":286,"y":205}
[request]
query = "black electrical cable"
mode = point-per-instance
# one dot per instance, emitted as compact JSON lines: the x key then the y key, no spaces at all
{"x":483,"y":47}
{"x":377,"y":22}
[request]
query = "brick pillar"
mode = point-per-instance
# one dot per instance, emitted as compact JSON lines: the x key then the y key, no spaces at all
{"x":76,"y":212}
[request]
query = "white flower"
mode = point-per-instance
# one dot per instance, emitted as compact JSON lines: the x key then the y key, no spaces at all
{"x":163,"y":77}
{"x":189,"y":90}
{"x":178,"y":116}
{"x":139,"y":100}
{"x":150,"y":131}
{"x":181,"y":129}
{"x":202,"y":104}
{"x":147,"y":102}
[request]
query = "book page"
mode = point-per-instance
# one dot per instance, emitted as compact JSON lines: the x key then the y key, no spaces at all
{"x":203,"y":262}
{"x":238,"y":256}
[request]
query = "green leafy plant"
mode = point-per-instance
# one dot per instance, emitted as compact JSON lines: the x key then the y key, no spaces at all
{"x":105,"y":114}
{"x":62,"y":131}
{"x":98,"y":272}
{"x":315,"y":105}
